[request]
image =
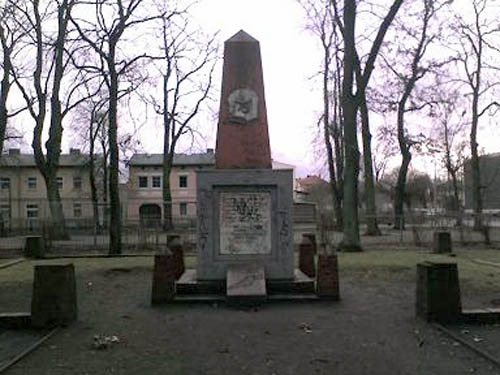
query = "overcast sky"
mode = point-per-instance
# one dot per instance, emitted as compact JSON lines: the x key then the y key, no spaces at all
{"x":289,"y":60}
{"x":291,"y":57}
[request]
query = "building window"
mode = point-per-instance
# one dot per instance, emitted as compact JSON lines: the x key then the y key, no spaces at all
{"x":183,"y":209}
{"x":31,"y":182}
{"x":157,"y":181}
{"x":77,"y":210}
{"x":77,"y":183}
{"x":143,"y":181}
{"x":5,"y":212}
{"x":32,"y":211}
{"x":183,"y":181}
{"x":5,"y":182}
{"x":59,"y":183}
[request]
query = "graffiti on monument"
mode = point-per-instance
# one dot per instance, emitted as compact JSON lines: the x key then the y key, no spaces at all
{"x":202,"y":219}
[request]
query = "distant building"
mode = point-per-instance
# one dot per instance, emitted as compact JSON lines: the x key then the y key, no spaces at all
{"x":23,"y":196}
{"x":489,"y":169}
{"x":144,"y":191}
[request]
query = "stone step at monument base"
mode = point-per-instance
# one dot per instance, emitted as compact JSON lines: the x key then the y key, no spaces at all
{"x":245,"y":284}
{"x":15,"y":320}
{"x":481,"y":316}
{"x":189,"y":289}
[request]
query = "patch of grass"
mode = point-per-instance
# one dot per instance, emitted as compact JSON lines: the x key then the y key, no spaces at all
{"x":401,"y":264}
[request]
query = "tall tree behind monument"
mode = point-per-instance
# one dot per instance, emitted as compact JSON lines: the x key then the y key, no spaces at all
{"x":51,"y":79}
{"x":352,"y":96}
{"x":106,"y":41}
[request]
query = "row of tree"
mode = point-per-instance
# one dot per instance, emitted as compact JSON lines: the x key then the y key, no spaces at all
{"x":428,"y":67}
{"x":67,"y":57}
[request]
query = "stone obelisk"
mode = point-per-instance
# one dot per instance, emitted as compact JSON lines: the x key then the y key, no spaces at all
{"x":242,"y":132}
{"x":244,"y":207}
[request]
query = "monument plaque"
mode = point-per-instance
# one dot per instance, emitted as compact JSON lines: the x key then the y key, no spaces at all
{"x":245,"y":222}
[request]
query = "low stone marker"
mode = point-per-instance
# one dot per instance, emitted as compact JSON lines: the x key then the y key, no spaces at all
{"x":442,"y":242}
{"x":175,"y":246}
{"x":327,"y":280}
{"x":54,"y":295}
{"x":438,"y":292}
{"x":163,"y":289}
{"x":306,"y":257}
{"x":34,"y":247}
{"x":245,"y":283}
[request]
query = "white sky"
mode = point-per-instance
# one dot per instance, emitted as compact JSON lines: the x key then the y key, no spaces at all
{"x":290,"y":57}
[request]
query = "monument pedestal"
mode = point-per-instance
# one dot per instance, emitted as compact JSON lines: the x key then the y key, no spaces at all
{"x":244,"y":216}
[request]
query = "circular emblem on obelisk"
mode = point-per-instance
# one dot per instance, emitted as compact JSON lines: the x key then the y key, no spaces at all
{"x":243,"y":105}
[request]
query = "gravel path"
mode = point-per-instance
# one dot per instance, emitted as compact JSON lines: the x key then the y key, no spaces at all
{"x":372,"y":330}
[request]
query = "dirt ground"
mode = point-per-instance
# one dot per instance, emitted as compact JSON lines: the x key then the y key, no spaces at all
{"x":372,"y":330}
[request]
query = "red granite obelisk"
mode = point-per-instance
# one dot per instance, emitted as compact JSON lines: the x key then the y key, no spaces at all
{"x":242,"y":134}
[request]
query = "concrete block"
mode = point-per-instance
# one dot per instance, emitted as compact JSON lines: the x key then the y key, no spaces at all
{"x":442,"y":242}
{"x":245,"y":283}
{"x":54,"y":300}
{"x":438,"y":292}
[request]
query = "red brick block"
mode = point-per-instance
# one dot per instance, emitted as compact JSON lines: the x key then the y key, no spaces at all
{"x":163,"y":289}
{"x":327,"y":281}
{"x":306,"y":257}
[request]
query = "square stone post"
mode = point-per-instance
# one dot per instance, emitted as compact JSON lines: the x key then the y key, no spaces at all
{"x":438,"y":292}
{"x":54,"y":299}
{"x":442,"y":242}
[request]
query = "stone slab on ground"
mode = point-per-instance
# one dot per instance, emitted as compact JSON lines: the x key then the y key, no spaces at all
{"x":13,"y":342}
{"x":483,"y":336}
{"x":246,"y":283}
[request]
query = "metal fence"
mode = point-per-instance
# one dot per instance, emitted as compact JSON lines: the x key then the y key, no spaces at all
{"x":419,"y":229}
{"x":142,"y":228}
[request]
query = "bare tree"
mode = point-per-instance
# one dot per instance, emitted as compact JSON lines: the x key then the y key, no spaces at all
{"x":476,"y":45}
{"x":353,"y":94}
{"x":104,"y":34}
{"x":321,"y":22}
{"x":43,"y":88}
{"x":450,"y":128}
{"x":410,"y":49}
{"x":9,"y":42}
{"x":187,"y":63}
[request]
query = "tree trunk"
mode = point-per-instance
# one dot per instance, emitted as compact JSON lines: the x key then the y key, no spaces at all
{"x":4,"y":88}
{"x":477,"y":200}
{"x":93,"y":185}
{"x":399,"y":196}
{"x":351,"y":240}
{"x":115,"y":243}
{"x":57,"y":224}
{"x":329,"y":150}
{"x":167,"y":195}
{"x":372,"y":228}
{"x":168,"y":156}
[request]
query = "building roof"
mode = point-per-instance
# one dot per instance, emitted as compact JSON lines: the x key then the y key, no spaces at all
{"x":12,"y":159}
{"x":207,"y":158}
{"x":306,"y":183}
